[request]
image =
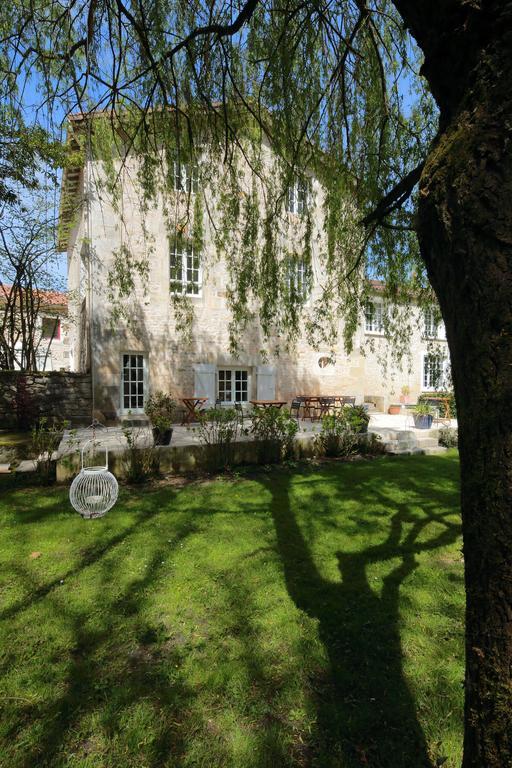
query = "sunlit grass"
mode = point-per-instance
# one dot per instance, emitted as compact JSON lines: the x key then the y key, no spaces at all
{"x":309,"y":617}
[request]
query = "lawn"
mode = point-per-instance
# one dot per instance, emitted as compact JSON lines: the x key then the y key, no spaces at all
{"x":297,"y":617}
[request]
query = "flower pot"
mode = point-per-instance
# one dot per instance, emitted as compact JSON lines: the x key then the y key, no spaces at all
{"x":395,"y":410}
{"x":162,"y":436}
{"x":423,"y":422}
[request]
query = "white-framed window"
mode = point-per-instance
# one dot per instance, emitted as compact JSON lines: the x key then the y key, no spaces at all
{"x":433,"y":327}
{"x":233,"y":385}
{"x":374,"y":317}
{"x":297,"y":196}
{"x":50,"y":328}
{"x":185,"y":269}
{"x":298,"y":279}
{"x":185,"y":177}
{"x":435,"y":372}
{"x":133,"y":382}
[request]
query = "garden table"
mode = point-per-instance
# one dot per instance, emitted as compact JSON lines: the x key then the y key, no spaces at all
{"x":310,"y":404}
{"x":268,"y":403}
{"x":194,"y":406}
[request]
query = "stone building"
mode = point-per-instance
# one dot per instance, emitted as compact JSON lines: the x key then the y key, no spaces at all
{"x":142,"y":349}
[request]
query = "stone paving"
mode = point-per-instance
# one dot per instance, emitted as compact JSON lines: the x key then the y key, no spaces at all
{"x":397,"y":433}
{"x":114,"y":439}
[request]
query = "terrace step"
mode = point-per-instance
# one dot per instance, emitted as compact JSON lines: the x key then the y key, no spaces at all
{"x":426,"y":442}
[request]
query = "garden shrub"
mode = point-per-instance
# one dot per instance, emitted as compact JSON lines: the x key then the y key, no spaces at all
{"x":46,"y":437}
{"x":140,"y":462}
{"x":372,"y":445}
{"x":448,"y":437}
{"x":218,"y":429}
{"x":275,"y":430}
{"x":336,"y":437}
{"x":357,"y":418}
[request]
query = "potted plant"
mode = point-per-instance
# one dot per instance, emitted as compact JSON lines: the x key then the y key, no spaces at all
{"x":160,"y":410}
{"x":404,"y":397}
{"x":395,"y":409}
{"x":423,"y":416}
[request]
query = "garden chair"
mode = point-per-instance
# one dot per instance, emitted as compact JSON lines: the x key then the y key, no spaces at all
{"x":295,"y":407}
{"x":325,"y":405}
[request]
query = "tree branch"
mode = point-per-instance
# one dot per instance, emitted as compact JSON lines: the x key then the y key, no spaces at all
{"x":396,"y":197}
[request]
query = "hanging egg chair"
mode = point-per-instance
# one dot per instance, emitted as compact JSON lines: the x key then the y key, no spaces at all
{"x":94,"y":490}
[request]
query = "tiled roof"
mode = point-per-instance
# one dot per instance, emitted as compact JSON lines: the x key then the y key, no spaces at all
{"x":47,"y":298}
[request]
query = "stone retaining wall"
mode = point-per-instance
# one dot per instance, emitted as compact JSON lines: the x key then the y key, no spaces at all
{"x":24,"y":397}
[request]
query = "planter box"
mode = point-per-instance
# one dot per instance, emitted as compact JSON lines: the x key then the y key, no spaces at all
{"x":162,"y":437}
{"x":423,"y":422}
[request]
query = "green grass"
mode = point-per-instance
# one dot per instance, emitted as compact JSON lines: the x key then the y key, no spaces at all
{"x":309,"y":617}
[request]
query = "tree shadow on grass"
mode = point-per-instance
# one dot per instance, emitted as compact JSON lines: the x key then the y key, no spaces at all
{"x":116,"y":666}
{"x":366,"y":710}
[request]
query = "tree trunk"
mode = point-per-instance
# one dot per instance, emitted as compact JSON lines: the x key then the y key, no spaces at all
{"x":465,"y":233}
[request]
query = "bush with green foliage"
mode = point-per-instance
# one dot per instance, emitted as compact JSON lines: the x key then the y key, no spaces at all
{"x":140,"y":461}
{"x":372,"y":445}
{"x":449,"y":437}
{"x":275,"y":429}
{"x":337,"y":438}
{"x":218,"y":429}
{"x":357,"y":418}
{"x":46,"y":437}
{"x":160,"y":409}
{"x":423,"y":409}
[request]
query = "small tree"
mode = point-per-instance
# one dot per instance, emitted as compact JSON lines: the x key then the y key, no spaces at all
{"x":28,"y":280}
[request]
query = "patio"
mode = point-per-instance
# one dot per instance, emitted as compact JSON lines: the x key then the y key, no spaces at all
{"x":397,"y":433}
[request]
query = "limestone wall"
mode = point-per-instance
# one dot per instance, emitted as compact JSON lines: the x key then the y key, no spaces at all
{"x":191,"y":368}
{"x":26,"y":396}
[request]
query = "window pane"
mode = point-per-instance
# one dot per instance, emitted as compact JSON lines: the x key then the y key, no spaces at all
{"x":132,"y":379}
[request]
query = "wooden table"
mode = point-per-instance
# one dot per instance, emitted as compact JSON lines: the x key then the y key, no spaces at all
{"x":310,"y":403}
{"x":194,"y":407}
{"x":268,"y":403}
{"x":444,"y":400}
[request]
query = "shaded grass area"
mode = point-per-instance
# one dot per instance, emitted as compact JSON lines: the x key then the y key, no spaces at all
{"x":9,"y":439}
{"x":15,"y":445}
{"x":308,"y":617}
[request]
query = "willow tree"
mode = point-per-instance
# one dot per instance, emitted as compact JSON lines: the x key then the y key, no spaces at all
{"x":433,"y":167}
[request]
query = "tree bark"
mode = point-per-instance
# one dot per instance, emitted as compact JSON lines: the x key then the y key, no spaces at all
{"x":465,"y":234}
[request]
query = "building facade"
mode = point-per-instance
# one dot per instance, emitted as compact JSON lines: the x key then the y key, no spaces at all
{"x":142,"y":350}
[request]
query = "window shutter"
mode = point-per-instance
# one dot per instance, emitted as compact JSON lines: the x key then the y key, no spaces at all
{"x":265,"y":382}
{"x":204,"y":382}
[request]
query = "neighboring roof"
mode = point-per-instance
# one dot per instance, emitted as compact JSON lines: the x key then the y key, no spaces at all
{"x":54,"y":299}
